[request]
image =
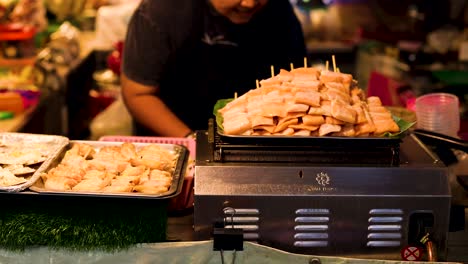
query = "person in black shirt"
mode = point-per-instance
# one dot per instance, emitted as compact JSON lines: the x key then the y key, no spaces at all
{"x":181,"y":56}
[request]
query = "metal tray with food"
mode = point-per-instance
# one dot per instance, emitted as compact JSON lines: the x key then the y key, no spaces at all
{"x":24,"y":157}
{"x":116,"y":169}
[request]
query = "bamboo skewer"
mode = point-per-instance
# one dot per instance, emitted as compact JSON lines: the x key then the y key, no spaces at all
{"x":235,"y":95}
{"x":272,"y":71}
{"x":334,"y":63}
{"x":305,"y":62}
{"x":292,"y":66}
{"x":257,"y":83}
{"x":326,"y":65}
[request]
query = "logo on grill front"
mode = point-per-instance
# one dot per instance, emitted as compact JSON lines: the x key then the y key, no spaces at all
{"x":323,"y":179}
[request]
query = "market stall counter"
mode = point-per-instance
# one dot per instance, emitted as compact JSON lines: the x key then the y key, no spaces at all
{"x":178,"y":252}
{"x":44,"y":227}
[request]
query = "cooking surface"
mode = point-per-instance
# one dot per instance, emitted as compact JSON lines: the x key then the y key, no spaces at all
{"x":324,"y":150}
{"x":214,"y":150}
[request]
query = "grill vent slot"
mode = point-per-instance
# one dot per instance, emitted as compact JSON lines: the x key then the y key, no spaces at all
{"x":385,"y":228}
{"x":243,"y":218}
{"x":311,"y":227}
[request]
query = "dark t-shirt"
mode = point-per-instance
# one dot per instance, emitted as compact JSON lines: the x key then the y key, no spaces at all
{"x":196,"y":56}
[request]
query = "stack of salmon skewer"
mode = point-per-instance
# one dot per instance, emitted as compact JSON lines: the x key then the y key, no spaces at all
{"x":307,"y":101}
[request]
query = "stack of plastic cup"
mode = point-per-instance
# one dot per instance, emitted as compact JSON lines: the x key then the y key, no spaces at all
{"x":438,"y":112}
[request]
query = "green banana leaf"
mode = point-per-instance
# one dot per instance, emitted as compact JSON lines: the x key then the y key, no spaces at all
{"x":402,"y":124}
{"x":219,"y":105}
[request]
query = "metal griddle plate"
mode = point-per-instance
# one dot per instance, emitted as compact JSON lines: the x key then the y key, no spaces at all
{"x":342,"y":151}
{"x":174,"y":190}
{"x":324,"y":141}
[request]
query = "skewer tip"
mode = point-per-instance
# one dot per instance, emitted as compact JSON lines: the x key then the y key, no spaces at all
{"x":334,"y":63}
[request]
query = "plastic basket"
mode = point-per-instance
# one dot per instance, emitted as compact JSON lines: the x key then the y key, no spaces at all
{"x":187,"y":142}
{"x":185,"y":199}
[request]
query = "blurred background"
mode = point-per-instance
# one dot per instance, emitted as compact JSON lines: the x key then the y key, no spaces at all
{"x":60,"y":59}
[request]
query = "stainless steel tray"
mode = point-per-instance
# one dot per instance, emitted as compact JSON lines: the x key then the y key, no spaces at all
{"x":177,"y":176}
{"x":50,"y":146}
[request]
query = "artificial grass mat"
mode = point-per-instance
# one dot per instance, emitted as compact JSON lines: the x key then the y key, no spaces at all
{"x":107,"y":226}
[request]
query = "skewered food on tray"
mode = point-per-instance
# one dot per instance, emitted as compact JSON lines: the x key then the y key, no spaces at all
{"x":113,"y":169}
{"x":307,"y":102}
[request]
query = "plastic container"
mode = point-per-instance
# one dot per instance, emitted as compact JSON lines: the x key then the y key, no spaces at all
{"x":438,"y":112}
{"x":185,"y":199}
